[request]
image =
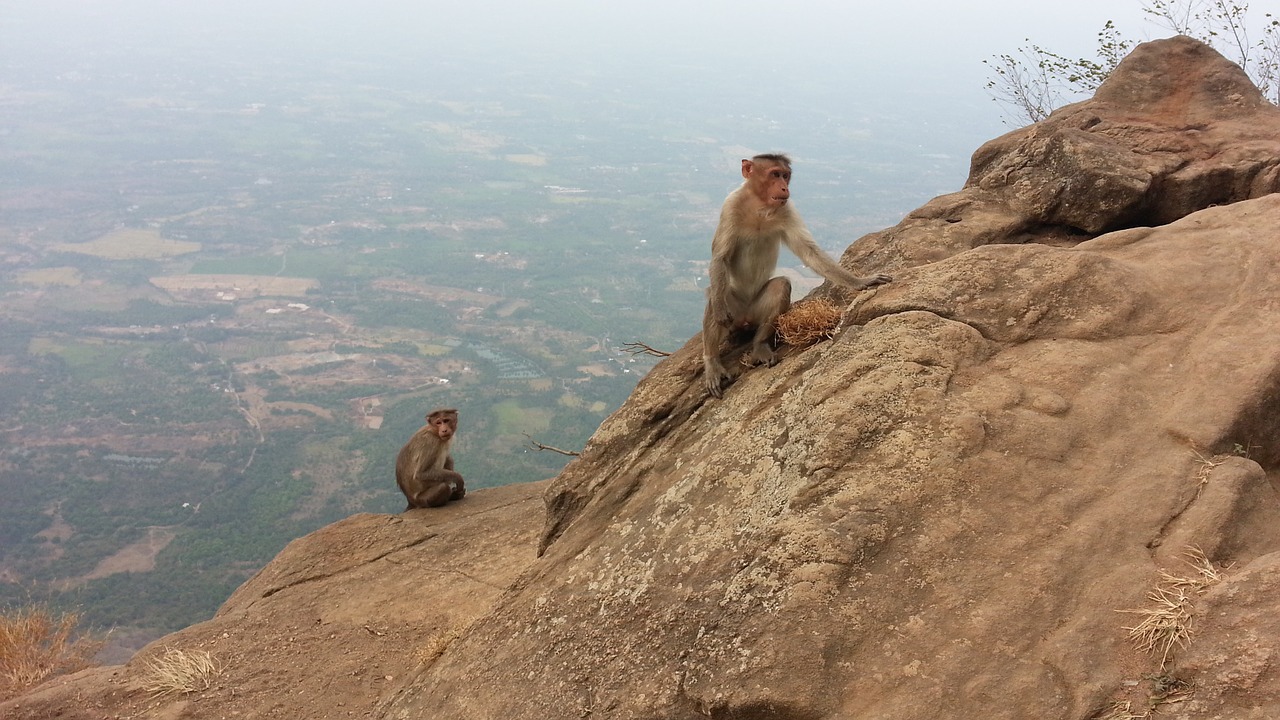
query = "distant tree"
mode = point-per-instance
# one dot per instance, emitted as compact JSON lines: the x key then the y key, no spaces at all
{"x":1033,"y":81}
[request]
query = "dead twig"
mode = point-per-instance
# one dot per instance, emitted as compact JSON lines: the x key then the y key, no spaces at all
{"x":539,"y":446}
{"x":639,"y":348}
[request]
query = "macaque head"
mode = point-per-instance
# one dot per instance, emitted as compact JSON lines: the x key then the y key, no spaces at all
{"x":769,"y":179}
{"x":443,"y":422}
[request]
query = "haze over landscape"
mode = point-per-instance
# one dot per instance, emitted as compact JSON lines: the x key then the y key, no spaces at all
{"x":247,"y":245}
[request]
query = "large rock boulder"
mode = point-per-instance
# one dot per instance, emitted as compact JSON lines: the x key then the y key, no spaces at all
{"x":953,"y":503}
{"x":951,"y":506}
{"x":1176,"y":128}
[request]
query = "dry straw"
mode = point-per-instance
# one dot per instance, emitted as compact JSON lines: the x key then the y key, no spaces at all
{"x":1166,"y":624}
{"x":181,"y":671}
{"x":37,"y":643}
{"x":1122,"y":710}
{"x":809,"y":321}
{"x":439,"y":642}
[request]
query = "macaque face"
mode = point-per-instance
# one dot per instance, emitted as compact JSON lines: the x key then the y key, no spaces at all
{"x":770,"y":182}
{"x":443,"y":424}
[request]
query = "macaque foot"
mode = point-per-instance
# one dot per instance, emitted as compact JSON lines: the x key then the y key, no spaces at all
{"x":764,"y":355}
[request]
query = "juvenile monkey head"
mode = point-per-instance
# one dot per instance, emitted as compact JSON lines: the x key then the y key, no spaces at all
{"x":769,"y":179}
{"x":443,"y":422}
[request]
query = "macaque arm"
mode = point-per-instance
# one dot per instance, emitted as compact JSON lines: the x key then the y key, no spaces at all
{"x":718,"y":316}
{"x":448,"y":462}
{"x":800,"y":241}
{"x":721,"y":252}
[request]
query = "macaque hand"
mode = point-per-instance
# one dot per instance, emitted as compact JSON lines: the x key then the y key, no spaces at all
{"x":877,"y":279}
{"x":714,"y":375}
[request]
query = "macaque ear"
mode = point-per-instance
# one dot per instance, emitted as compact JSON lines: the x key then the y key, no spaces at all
{"x":746,"y":168}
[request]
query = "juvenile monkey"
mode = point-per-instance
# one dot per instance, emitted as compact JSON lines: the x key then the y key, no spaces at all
{"x":424,"y":467}
{"x":755,"y":219}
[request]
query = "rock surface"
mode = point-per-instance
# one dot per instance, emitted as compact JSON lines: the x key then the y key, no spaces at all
{"x":1069,"y":394}
{"x":1175,"y":129}
{"x":334,"y":625}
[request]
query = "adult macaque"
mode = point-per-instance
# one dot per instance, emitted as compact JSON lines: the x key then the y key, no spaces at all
{"x":743,"y":295}
{"x":424,"y":468}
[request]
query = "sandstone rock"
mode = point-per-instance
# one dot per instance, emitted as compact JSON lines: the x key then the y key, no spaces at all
{"x":334,"y":625}
{"x":947,"y":506}
{"x":1176,"y":128}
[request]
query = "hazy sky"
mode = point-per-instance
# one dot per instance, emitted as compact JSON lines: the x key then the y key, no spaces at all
{"x":922,"y":57}
{"x":943,"y":36}
{"x":925,"y":45}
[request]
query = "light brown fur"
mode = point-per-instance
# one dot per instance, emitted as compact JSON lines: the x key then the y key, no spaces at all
{"x":755,"y":220}
{"x":424,"y":467}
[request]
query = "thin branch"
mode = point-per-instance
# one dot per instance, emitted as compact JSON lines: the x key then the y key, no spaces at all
{"x":1032,"y":82}
{"x":639,"y":348}
{"x":539,"y":446}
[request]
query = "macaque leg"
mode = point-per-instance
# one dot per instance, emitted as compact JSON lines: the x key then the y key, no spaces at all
{"x":433,"y":496}
{"x":773,"y":300}
{"x":438,"y":488}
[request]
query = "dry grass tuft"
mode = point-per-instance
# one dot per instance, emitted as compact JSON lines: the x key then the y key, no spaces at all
{"x":809,"y":321}
{"x":1164,"y":691}
{"x":1166,"y":624}
{"x":1205,"y":470}
{"x":1205,"y":573}
{"x":439,"y":642}
{"x":1122,"y":710}
{"x":37,"y":643}
{"x":181,"y":671}
{"x":1168,"y":690}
